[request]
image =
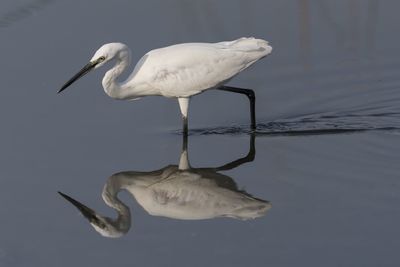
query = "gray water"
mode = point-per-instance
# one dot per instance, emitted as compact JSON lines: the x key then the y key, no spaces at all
{"x":325,"y":156}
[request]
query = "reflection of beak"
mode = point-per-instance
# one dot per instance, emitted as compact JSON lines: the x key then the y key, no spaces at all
{"x":86,"y":69}
{"x":87,"y":212}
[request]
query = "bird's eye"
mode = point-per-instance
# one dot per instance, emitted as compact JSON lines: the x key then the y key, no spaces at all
{"x":102,"y":58}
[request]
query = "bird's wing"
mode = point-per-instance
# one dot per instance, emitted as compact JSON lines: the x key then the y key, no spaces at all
{"x":188,"y":69}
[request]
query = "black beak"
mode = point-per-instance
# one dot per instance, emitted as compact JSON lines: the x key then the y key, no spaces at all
{"x":87,"y":212}
{"x":86,"y":69}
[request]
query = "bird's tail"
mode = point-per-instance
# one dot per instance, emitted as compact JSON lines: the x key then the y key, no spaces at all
{"x":250,"y":45}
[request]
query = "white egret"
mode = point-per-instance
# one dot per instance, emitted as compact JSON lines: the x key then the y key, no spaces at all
{"x":178,"y":71}
{"x":176,"y":191}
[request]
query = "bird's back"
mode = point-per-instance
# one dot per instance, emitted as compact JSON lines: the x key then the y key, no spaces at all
{"x":187,"y":69}
{"x":189,"y":195}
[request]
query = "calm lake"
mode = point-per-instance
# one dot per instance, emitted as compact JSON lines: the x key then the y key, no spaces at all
{"x":317,"y":184}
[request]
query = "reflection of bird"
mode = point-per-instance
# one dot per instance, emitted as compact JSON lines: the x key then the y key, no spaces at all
{"x":178,"y":192}
{"x":178,"y":71}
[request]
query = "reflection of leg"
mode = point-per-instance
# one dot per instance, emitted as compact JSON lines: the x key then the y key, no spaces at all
{"x":185,"y":129}
{"x":184,"y":106}
{"x":248,"y":158}
{"x":252,"y":148}
{"x":184,"y":142}
{"x":252,"y":98}
{"x":184,"y":159}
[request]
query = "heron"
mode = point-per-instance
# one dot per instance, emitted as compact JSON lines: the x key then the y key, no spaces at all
{"x":178,"y":71}
{"x":178,"y":192}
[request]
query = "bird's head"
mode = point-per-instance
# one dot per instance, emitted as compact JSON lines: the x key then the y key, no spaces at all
{"x":103,"y":55}
{"x":105,"y":226}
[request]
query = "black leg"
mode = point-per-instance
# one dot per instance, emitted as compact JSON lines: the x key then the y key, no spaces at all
{"x":252,"y":98}
{"x":185,"y":126}
{"x":184,"y":141}
{"x":248,"y":158}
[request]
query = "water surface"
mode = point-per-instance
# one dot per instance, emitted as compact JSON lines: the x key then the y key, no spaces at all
{"x":325,"y":157}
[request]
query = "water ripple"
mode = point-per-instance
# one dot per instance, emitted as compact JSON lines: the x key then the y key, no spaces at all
{"x":316,"y":124}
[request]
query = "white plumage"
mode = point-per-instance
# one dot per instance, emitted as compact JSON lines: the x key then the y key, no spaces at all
{"x":171,"y":193}
{"x":188,"y":69}
{"x":178,"y":71}
{"x":176,"y":191}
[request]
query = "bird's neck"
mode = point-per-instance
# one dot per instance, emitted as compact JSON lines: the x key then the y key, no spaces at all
{"x":128,"y":89}
{"x":110,"y":192}
{"x":111,"y":85}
